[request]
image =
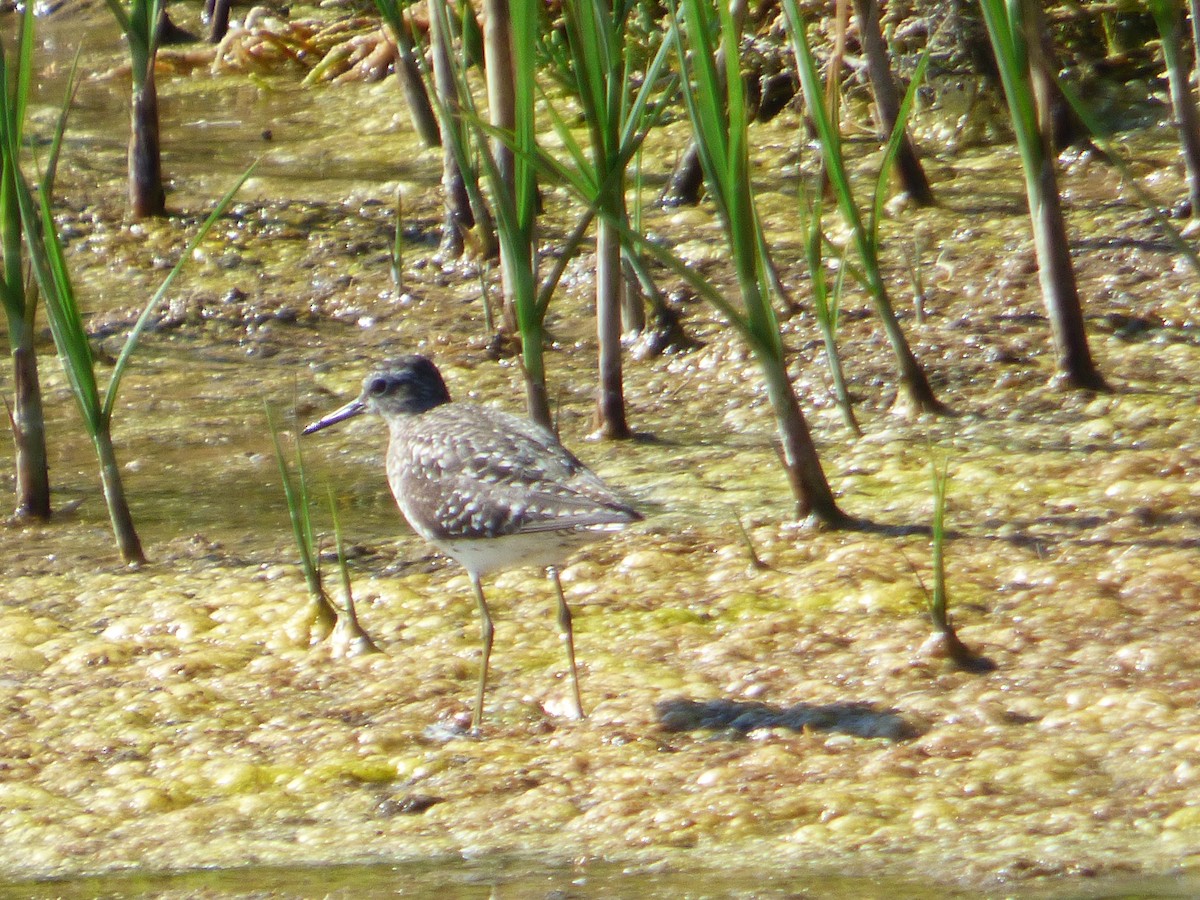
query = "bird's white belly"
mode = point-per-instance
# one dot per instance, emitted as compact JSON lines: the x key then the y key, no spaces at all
{"x":482,"y":556}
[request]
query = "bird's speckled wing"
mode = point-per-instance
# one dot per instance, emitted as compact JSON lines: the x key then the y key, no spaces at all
{"x":480,"y":473}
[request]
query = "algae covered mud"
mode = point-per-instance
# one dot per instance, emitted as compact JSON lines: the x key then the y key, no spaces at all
{"x":755,"y":724}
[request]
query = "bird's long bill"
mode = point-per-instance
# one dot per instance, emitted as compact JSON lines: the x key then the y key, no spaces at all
{"x":351,"y":409}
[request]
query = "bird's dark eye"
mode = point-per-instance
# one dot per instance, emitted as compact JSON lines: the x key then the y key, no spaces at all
{"x":378,"y":387}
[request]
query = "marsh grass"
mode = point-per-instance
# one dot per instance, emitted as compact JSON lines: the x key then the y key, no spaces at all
{"x":827,"y":303}
{"x":597,"y":63}
{"x":716,"y":105}
{"x":940,"y":480}
{"x":752,"y":558}
{"x":408,"y":72}
{"x":66,"y":322}
{"x":864,"y":231}
{"x":52,"y":273}
{"x":324,"y":618}
{"x":514,"y":203}
{"x":1168,"y":17}
{"x":467,"y":213}
{"x":1015,"y":35}
{"x":396,"y":251}
{"x":916,"y":278}
{"x":617,"y":121}
{"x":938,"y":600}
{"x":322,"y":613}
{"x":140,"y":24}
{"x":517,"y":210}
{"x":19,"y":298}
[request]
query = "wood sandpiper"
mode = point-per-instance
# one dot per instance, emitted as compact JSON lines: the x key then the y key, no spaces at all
{"x":491,"y":490}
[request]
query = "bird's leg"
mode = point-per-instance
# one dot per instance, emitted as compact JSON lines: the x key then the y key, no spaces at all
{"x":487,"y":631}
{"x":568,"y":636}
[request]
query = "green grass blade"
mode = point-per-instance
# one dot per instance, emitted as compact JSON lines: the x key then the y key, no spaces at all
{"x":24,"y":72}
{"x":524,"y":35}
{"x":122,"y":17}
{"x":702,"y":95}
{"x":1012,"y":62}
{"x":389,"y":11}
{"x":66,"y":323}
{"x":13,"y":283}
{"x":61,"y":128}
{"x":827,"y":133}
{"x":298,"y":510}
{"x":582,"y":177}
{"x":49,"y":267}
{"x":340,"y":548}
{"x":641,"y":116}
{"x":938,"y":612}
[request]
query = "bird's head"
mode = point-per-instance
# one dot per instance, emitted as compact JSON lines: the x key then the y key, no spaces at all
{"x":405,"y":386}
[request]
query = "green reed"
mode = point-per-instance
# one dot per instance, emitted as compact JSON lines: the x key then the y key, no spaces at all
{"x":716,"y":105}
{"x":19,"y":299}
{"x":597,"y":63}
{"x":916,"y":278}
{"x":1004,"y":30}
{"x":826,"y":304}
{"x":396,"y":251}
{"x":1015,"y":35}
{"x":516,"y":208}
{"x":938,"y":601}
{"x":326,"y":619}
{"x":140,"y":24}
{"x":51,"y":271}
{"x":323,"y":614}
{"x":1169,"y":19}
{"x":515,"y":201}
{"x":864,"y":232}
{"x":408,"y":72}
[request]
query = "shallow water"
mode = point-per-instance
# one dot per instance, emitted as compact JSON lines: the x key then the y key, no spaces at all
{"x":479,"y":879}
{"x":175,"y":718}
{"x":516,"y":879}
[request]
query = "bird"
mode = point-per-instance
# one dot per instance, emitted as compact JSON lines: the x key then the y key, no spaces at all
{"x":491,"y":490}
